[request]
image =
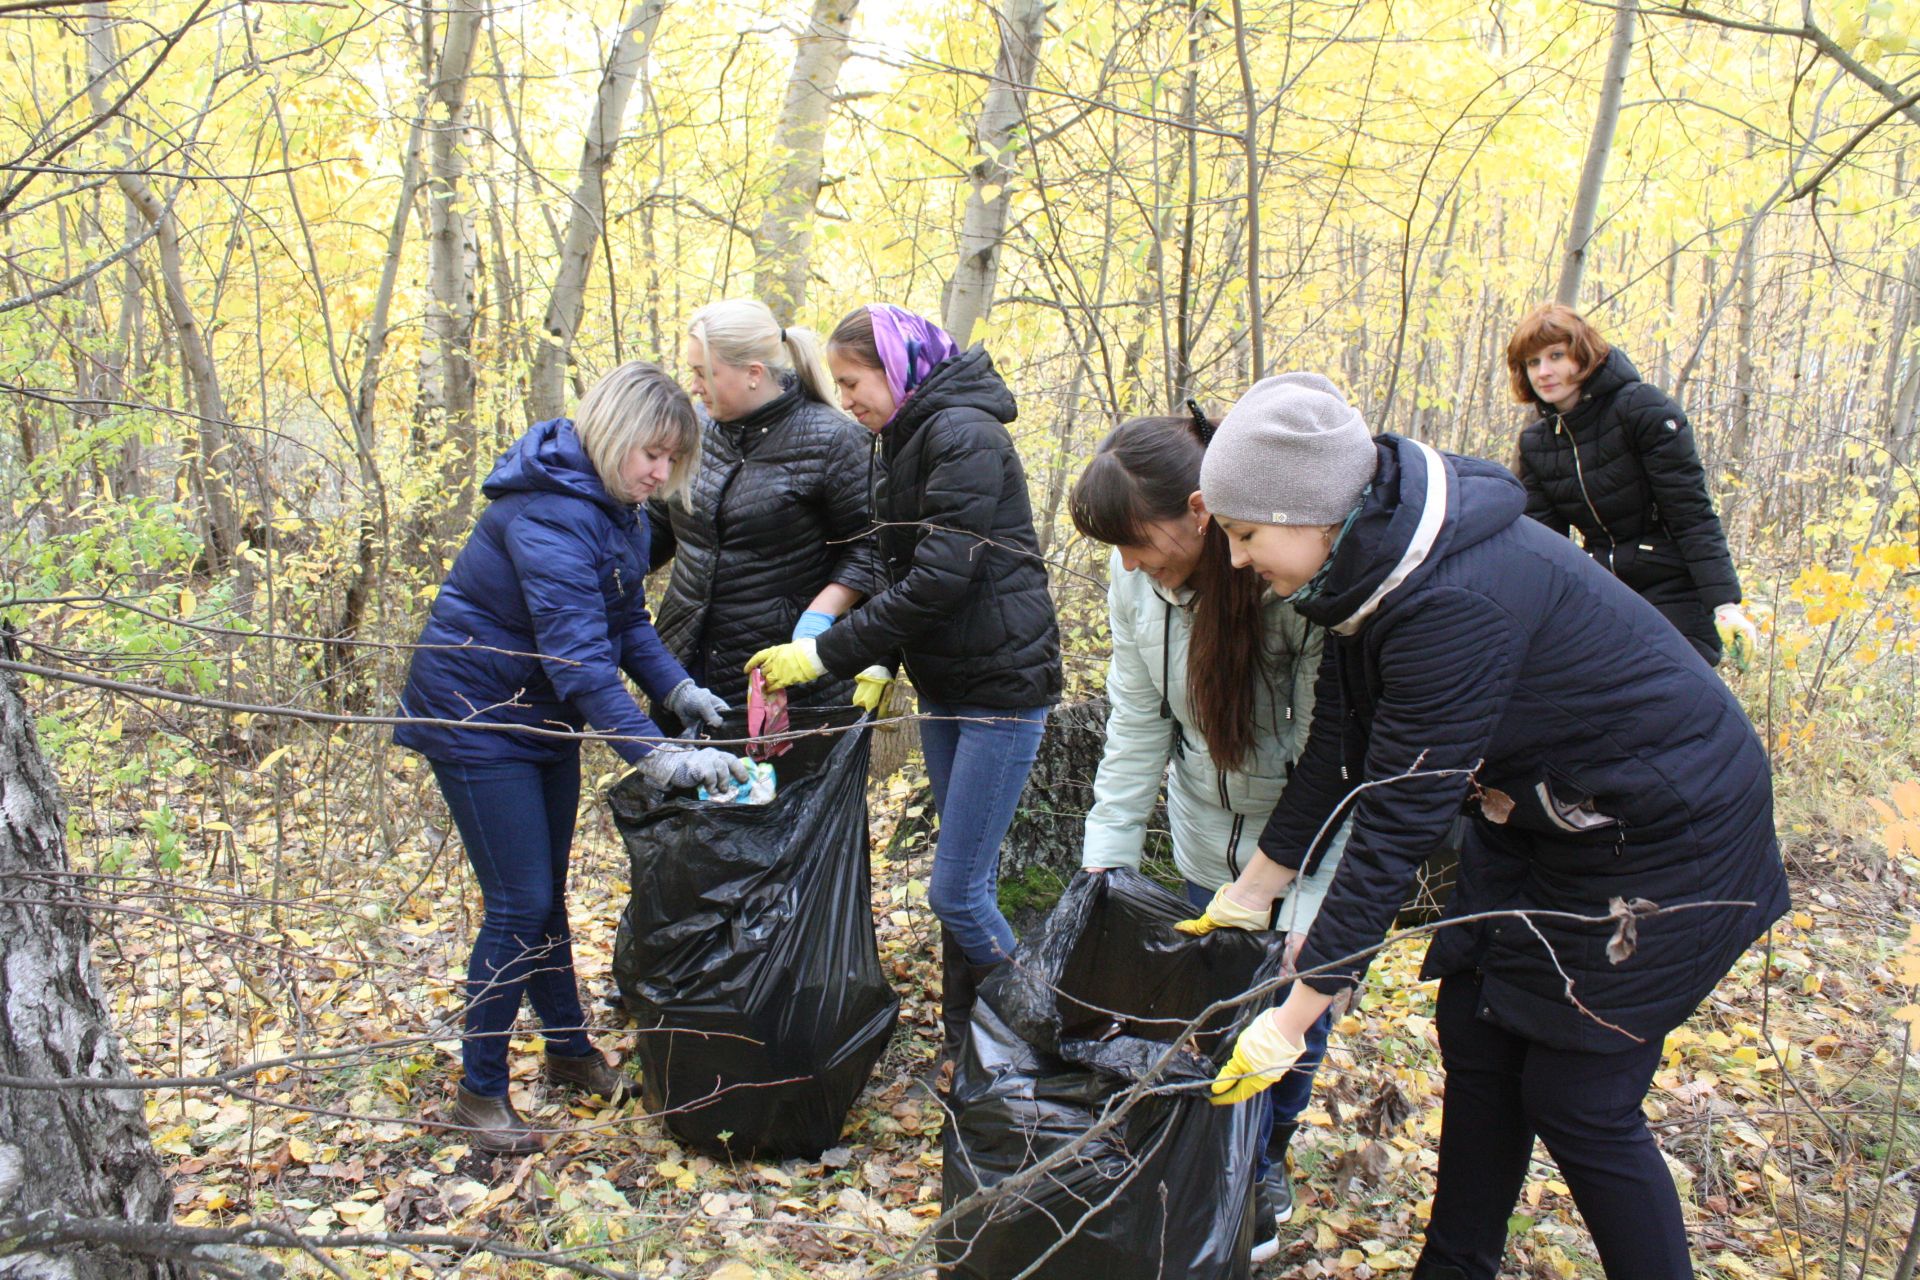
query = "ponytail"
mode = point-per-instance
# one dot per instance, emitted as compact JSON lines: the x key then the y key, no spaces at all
{"x":742,"y":331}
{"x":809,"y":357}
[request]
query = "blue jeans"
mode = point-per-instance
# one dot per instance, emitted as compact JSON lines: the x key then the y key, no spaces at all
{"x":516,"y":821}
{"x":978,"y":759}
{"x":1286,"y":1101}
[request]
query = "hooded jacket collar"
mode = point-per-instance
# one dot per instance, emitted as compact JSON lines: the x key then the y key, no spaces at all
{"x":1615,"y":372}
{"x":550,"y":459}
{"x":967,"y":380}
{"x":1424,"y":507}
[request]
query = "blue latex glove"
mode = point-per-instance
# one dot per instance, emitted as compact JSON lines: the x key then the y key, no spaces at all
{"x":811,"y":623}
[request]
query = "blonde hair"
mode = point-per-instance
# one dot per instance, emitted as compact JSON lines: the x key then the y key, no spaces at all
{"x":638,"y":406}
{"x":742,"y":331}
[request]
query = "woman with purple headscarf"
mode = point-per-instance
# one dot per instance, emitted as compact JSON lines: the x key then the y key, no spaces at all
{"x":967,"y":610}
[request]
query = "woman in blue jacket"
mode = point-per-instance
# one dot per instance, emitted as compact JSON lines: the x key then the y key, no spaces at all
{"x":1482,"y":665}
{"x":525,"y":646}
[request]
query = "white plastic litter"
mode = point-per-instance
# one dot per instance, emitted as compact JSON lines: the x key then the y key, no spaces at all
{"x":759,"y":788}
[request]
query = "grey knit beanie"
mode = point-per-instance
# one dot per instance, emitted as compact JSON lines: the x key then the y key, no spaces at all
{"x":1291,"y":451}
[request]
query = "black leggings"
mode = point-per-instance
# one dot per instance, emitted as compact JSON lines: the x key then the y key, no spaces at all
{"x":1502,"y":1090}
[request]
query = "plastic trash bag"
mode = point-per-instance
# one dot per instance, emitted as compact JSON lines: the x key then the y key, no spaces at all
{"x":747,"y":952}
{"x":1086,"y":1011}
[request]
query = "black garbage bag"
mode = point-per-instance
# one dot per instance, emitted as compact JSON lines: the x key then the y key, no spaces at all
{"x":747,"y":952}
{"x":1087,"y":1010}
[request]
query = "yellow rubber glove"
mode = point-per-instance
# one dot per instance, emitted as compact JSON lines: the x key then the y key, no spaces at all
{"x":1738,"y":635}
{"x":870,"y":689}
{"x":1226,"y":912}
{"x":795,"y":662}
{"x":1260,"y":1058}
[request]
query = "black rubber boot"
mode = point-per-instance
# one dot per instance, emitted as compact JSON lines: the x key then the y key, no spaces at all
{"x":1280,"y":1140}
{"x":1273,"y":1195}
{"x":959,"y":991}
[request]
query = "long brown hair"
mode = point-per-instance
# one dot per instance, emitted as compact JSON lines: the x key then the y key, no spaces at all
{"x":1145,"y":470}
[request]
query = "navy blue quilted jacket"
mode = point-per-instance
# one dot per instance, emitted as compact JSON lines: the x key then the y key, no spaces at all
{"x":546,"y":598}
{"x":1607,"y":761}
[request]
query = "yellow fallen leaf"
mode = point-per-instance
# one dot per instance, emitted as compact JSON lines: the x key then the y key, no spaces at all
{"x":676,"y":1173}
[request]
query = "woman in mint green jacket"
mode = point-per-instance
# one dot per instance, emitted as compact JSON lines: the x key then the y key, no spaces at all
{"x":1210,"y":692}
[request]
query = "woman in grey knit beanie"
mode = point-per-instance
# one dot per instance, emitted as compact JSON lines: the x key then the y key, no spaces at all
{"x":1284,"y":472}
{"x":1479,"y":666}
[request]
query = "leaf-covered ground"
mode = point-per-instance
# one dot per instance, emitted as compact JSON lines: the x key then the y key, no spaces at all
{"x":266,"y":914}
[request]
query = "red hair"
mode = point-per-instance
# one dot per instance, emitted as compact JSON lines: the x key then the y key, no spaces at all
{"x":1551,"y":325}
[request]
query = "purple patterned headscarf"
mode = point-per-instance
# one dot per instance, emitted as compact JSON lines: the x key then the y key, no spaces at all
{"x":910,"y":348}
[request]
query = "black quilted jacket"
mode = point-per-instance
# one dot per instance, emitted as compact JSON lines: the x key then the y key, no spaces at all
{"x":1477,"y":662}
{"x":1622,"y":469}
{"x":778,"y":510}
{"x":968,"y":607}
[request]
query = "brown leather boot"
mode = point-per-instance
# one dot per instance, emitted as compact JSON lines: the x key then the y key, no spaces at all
{"x":493,"y":1126}
{"x":591,"y":1074}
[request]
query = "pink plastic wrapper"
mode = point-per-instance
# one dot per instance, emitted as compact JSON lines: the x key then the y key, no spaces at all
{"x":766,"y":714}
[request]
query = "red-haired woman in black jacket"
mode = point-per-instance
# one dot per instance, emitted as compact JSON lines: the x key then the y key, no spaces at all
{"x":1613,"y":456}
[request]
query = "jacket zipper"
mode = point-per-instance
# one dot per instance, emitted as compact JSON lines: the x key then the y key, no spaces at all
{"x":1233,"y":846}
{"x":719,"y":534}
{"x":1166,"y":679}
{"x":1580,"y":476}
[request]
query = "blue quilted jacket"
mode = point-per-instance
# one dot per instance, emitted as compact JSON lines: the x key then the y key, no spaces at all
{"x":540,"y":614}
{"x":1606,"y":760}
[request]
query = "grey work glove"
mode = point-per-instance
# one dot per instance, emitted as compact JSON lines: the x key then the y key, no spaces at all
{"x":695,"y":705}
{"x":674,"y":768}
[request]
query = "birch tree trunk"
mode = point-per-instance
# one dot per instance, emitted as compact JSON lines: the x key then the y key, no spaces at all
{"x":446,"y":357}
{"x":996,"y":137}
{"x":216,"y":448}
{"x":1903,"y":368}
{"x":547,"y":397}
{"x":1256,"y":309}
{"x":786,"y":228}
{"x":1586,"y":205}
{"x":66,"y":1154}
{"x":338,"y":660}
